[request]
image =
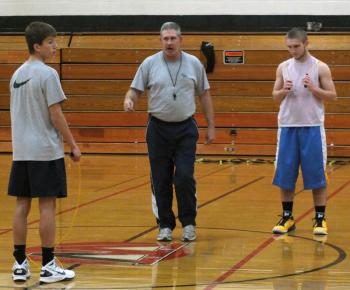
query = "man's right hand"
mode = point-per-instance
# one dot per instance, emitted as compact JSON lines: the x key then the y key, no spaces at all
{"x":128,"y":105}
{"x":75,"y":154}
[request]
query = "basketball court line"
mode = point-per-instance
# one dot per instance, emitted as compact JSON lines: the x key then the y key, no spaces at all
{"x":120,"y":183}
{"x":339,"y":259}
{"x":106,"y":197}
{"x":258,"y":249}
{"x":263,"y":245}
{"x":85,"y":204}
{"x":101,"y":198}
{"x":199,"y":206}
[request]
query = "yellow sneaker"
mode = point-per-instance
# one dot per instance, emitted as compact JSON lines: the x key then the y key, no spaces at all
{"x":320,"y":227}
{"x":284,"y":225}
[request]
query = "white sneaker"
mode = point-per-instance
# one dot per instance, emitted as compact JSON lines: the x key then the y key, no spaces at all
{"x":189,"y":233}
{"x":21,"y":271}
{"x":51,"y":273}
{"x":164,"y":235}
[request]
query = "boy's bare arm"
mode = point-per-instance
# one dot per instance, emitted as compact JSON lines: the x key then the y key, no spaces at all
{"x":281,"y":87}
{"x":326,"y":91}
{"x":59,"y":122}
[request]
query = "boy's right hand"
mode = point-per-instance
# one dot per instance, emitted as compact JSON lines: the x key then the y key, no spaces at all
{"x":75,"y":154}
{"x":287,"y":86}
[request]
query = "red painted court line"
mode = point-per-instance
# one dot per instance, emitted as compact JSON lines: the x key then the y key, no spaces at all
{"x":112,"y":194}
{"x":84,"y":204}
{"x":262,"y":246}
{"x":104,"y":197}
{"x":328,"y":198}
{"x":240,"y":264}
{"x":101,"y":198}
{"x":199,"y":206}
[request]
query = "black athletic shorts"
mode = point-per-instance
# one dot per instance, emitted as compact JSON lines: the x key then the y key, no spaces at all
{"x":38,"y":179}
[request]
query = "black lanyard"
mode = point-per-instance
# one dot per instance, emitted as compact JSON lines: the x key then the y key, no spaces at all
{"x":177,"y":73}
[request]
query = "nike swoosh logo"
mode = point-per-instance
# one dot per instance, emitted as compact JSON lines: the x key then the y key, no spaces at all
{"x":17,"y":85}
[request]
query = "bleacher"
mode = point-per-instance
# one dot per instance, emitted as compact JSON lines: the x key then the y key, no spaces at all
{"x":96,"y":71}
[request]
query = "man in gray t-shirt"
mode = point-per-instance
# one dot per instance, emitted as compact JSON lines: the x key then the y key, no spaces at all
{"x":173,"y":79}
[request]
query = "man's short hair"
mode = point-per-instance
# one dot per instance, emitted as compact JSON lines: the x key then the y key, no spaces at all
{"x":36,"y":32}
{"x":298,"y":33}
{"x":171,"y":26}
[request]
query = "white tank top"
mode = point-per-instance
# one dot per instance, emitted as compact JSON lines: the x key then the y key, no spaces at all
{"x":300,"y":108}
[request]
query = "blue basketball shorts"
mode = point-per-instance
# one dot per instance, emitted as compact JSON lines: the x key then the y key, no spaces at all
{"x":303,"y":147}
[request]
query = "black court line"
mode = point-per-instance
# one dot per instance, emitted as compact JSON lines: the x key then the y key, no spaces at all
{"x":120,"y":183}
{"x":231,"y":191}
{"x":85,"y":204}
{"x":264,"y":245}
{"x":199,"y":206}
{"x":156,"y":227}
{"x":340,"y":258}
{"x":5,"y":231}
{"x":77,"y":265}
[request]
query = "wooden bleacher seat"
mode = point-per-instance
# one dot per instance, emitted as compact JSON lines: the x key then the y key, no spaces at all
{"x":96,"y":72}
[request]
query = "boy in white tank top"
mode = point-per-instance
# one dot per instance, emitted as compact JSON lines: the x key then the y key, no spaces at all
{"x":302,"y":84}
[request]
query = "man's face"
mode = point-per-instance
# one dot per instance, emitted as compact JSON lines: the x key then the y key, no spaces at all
{"x":171,"y":43}
{"x":47,"y":49}
{"x":296,"y":47}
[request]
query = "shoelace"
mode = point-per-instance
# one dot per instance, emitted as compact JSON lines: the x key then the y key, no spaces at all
{"x":58,"y":265}
{"x":318,"y":222}
{"x":283,"y":220}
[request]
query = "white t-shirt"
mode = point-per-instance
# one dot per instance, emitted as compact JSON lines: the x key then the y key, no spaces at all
{"x":300,"y":108}
{"x":166,"y":102}
{"x":34,"y":88}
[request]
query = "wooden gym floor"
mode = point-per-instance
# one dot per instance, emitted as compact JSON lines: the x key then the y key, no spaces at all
{"x":106,"y":231}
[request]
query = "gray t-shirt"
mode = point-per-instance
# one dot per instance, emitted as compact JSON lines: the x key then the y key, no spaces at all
{"x":166,"y":102}
{"x":34,"y":88}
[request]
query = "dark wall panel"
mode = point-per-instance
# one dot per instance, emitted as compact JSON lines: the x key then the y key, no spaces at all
{"x":196,"y":23}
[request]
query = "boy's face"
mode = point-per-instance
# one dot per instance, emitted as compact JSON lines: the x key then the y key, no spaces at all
{"x":47,"y":49}
{"x":296,"y":47}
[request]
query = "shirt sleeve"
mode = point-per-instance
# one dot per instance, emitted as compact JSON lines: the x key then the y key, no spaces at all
{"x":141,"y":78}
{"x":52,"y":89}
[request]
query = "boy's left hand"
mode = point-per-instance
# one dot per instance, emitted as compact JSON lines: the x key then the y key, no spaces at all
{"x":307,"y":82}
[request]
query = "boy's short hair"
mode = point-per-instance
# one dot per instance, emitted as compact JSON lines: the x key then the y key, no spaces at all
{"x":171,"y":26}
{"x":298,"y":33}
{"x":36,"y":32}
